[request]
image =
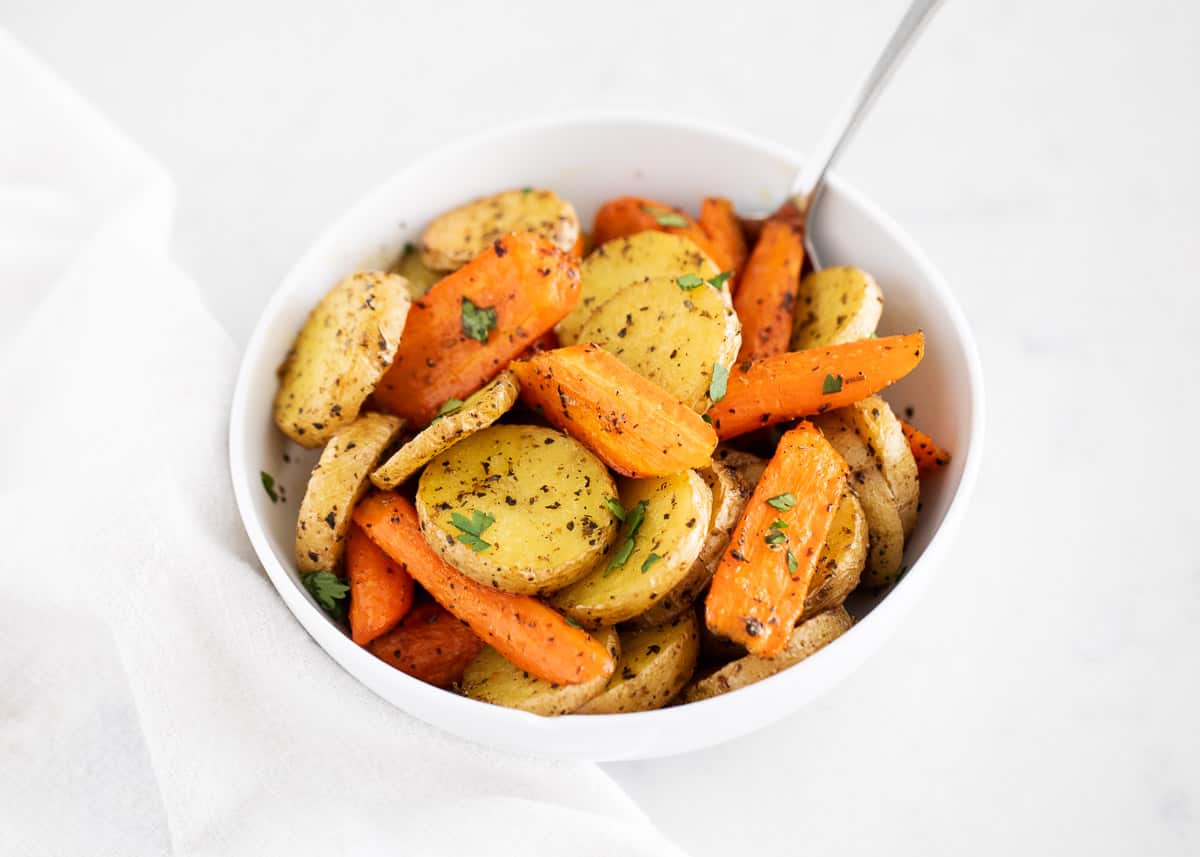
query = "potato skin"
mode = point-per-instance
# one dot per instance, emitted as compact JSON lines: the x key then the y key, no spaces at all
{"x":420,"y":277}
{"x":490,"y":678}
{"x":622,"y":261}
{"x":348,"y":341}
{"x":461,"y":234}
{"x":842,"y":559}
{"x":546,"y":492}
{"x":878,"y":426}
{"x":337,"y":482}
{"x":835,"y":305}
{"x":655,"y":665}
{"x":749,"y":466}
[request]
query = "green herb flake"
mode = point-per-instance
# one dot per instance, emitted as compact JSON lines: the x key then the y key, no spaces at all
{"x":779,"y":524}
{"x":719,"y":280}
{"x":665,"y":218}
{"x":526,"y":190}
{"x":450,"y":406}
{"x":650,"y":560}
{"x":328,"y":590}
{"x":614,"y":505}
{"x":268,"y":483}
{"x":832,"y":384}
{"x":474,"y":542}
{"x":473,"y":528}
{"x":572,"y":622}
{"x":782,"y":502}
{"x":477,"y":321}
{"x":775,"y":538}
{"x":633,"y":523}
{"x":706,"y":418}
{"x":719,"y":383}
{"x":687,"y":282}
{"x":792,"y":562}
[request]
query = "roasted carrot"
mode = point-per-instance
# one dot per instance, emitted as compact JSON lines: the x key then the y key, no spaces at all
{"x":801,"y":383}
{"x":758,"y":590}
{"x":470,"y":324}
{"x":720,"y":223}
{"x":580,"y":247}
{"x":522,"y":629}
{"x":632,"y":424}
{"x":381,"y":592}
{"x":766,"y":291}
{"x":930,"y":457}
{"x":430,"y":644}
{"x":629,"y":215}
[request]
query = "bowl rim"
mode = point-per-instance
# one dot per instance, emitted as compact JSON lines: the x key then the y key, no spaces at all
{"x":880,"y":622}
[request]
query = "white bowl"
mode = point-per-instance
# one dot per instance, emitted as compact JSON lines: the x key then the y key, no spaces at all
{"x":588,"y":159}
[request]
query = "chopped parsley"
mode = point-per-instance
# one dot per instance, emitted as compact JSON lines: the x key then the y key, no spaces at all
{"x":473,"y":528}
{"x":687,"y":282}
{"x":783,"y":501}
{"x":706,"y":418}
{"x":633,"y":523}
{"x":832,"y":384}
{"x":477,"y":321}
{"x":719,"y":383}
{"x":665,"y":218}
{"x":792,"y":562}
{"x":719,"y":280}
{"x":650,"y":560}
{"x":779,"y":524}
{"x":572,"y":622}
{"x":450,"y":406}
{"x":268,"y":482}
{"x":614,"y":505}
{"x":774,"y":538}
{"x":328,"y":590}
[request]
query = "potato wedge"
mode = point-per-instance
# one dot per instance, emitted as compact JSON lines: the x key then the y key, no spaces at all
{"x":420,"y":277}
{"x":749,"y":466}
{"x":809,"y":636}
{"x":882,"y":431}
{"x":490,"y":678}
{"x":665,"y":545}
{"x":345,"y":346}
{"x":674,"y":337}
{"x":885,"y":551}
{"x":729,"y":498}
{"x":655,"y":664}
{"x":479,"y":411}
{"x":545,"y":493}
{"x":842,"y":559}
{"x":338,"y":481}
{"x":618,"y":263}
{"x":835,"y":305}
{"x":461,"y":234}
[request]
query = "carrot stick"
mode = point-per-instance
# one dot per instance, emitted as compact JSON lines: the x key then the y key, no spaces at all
{"x":580,"y":246}
{"x":510,"y":294}
{"x":720,"y":223}
{"x":766,"y":291}
{"x":629,"y":215}
{"x":522,"y":629}
{"x":802,"y":383}
{"x":758,"y":590}
{"x":930,"y":457}
{"x":430,"y":644}
{"x":632,"y":424}
{"x":381,"y":592}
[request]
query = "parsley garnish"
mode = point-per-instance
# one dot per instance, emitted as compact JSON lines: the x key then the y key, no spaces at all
{"x":783,"y":501}
{"x":775,"y":538}
{"x":706,"y":418}
{"x":477,"y":321}
{"x":614,"y":505}
{"x":526,"y":190}
{"x":650,"y":560}
{"x":472,"y":528}
{"x":450,"y":406}
{"x":833,"y":384}
{"x":572,"y":622}
{"x":720,"y":380}
{"x":665,"y":218}
{"x":779,"y":524}
{"x":328,"y":590}
{"x":719,"y":280}
{"x":633,"y":523}
{"x":687,"y":282}
{"x":792,"y":562}
{"x":268,"y":482}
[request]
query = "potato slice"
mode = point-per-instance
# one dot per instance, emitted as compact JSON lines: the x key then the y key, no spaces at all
{"x":841,"y":561}
{"x":479,"y":411}
{"x":885,"y":550}
{"x":729,"y":498}
{"x":420,"y":278}
{"x":655,"y":664}
{"x":490,"y":678}
{"x":835,"y":305}
{"x":670,"y":537}
{"x":459,"y":235}
{"x":546,"y":495}
{"x":345,"y":346}
{"x":670,"y":335}
{"x":878,"y":426}
{"x":809,"y":636}
{"x":338,"y":481}
{"x":749,"y":466}
{"x":615,"y":264}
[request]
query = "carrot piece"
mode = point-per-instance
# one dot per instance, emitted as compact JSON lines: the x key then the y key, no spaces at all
{"x":766,"y":291}
{"x":524,"y":279}
{"x":631,"y":423}
{"x":759,"y":587}
{"x":629,"y":215}
{"x":801,"y":383}
{"x":930,"y":457}
{"x":522,"y":629}
{"x":430,"y":644}
{"x":720,"y":223}
{"x":381,"y":592}
{"x":580,"y":247}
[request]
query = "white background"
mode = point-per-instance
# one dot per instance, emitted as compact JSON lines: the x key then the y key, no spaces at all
{"x":1044,"y":697}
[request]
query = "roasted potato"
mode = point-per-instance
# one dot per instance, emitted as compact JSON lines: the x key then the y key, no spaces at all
{"x":749,"y":466}
{"x":338,"y":480}
{"x":490,"y":678}
{"x":479,"y":411}
{"x":729,"y":498}
{"x":420,"y":278}
{"x":629,"y":580}
{"x":878,"y":426}
{"x":544,"y":494}
{"x":842,"y":558}
{"x":674,"y":337}
{"x":809,"y":636}
{"x":345,"y":346}
{"x":835,"y":305}
{"x":885,"y":551}
{"x":655,"y":664}
{"x":618,"y":263}
{"x":459,"y":235}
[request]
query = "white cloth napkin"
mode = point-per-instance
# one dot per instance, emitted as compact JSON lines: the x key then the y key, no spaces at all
{"x":157,"y":697}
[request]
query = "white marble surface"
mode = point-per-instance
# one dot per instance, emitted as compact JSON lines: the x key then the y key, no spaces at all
{"x":1044,"y":697}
